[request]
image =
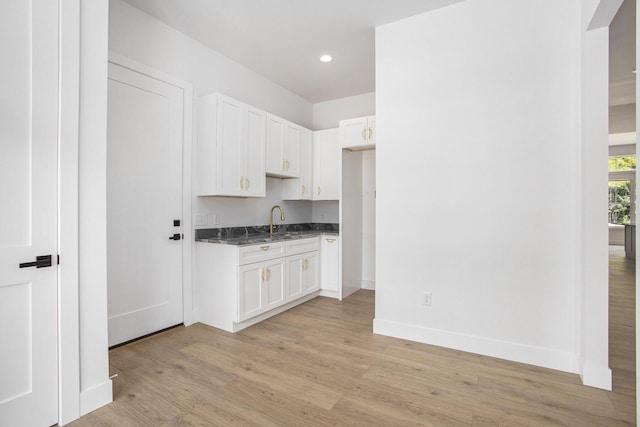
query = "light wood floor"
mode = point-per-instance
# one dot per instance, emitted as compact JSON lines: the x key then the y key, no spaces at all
{"x":319,"y":364}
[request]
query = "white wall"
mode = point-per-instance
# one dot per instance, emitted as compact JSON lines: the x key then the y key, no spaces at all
{"x":138,"y":36}
{"x":237,"y":211}
{"x":325,"y":211}
{"x":369,"y":219}
{"x":326,"y":115}
{"x":593,"y":292}
{"x":144,"y":39}
{"x":95,"y":385}
{"x":622,"y":118}
{"x":485,"y":123}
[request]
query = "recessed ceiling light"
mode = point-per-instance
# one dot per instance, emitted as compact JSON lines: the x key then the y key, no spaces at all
{"x":326,"y":58}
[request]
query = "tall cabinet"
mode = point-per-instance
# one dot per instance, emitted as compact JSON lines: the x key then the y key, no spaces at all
{"x":231,"y":148}
{"x":326,"y":165}
{"x":357,"y":204}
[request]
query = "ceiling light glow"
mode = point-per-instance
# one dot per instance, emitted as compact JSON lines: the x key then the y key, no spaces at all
{"x":326,"y":58}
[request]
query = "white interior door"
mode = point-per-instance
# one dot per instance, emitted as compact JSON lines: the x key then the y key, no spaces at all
{"x":144,"y":198}
{"x":28,"y":211}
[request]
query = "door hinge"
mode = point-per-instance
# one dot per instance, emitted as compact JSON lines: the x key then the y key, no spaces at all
{"x":58,"y":259}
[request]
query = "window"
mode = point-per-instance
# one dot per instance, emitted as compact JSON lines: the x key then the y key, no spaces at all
{"x":622,"y":206}
{"x":622,"y":163}
{"x":620,"y":202}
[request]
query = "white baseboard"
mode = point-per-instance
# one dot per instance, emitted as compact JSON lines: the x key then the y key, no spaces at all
{"x":369,"y":284}
{"x":329,"y":294}
{"x":96,"y":397}
{"x":595,"y":375}
{"x":532,"y":355}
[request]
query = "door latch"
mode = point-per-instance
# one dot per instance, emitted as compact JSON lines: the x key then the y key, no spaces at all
{"x":176,"y":236}
{"x":41,"y":261}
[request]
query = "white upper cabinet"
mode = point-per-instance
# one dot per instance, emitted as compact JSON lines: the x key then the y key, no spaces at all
{"x":358,"y":133}
{"x":283,"y":147}
{"x":301,"y":188}
{"x":231,"y":148}
{"x":326,"y":165}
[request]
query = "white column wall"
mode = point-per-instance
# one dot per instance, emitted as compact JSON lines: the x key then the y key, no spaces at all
{"x":95,"y":385}
{"x":483,"y":102}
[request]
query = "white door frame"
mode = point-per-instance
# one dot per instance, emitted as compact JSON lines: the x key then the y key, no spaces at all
{"x":187,"y":88}
{"x":69,"y":345}
{"x":68,"y":222}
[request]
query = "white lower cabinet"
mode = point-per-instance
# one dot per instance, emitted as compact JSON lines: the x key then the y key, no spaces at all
{"x":239,"y":286}
{"x":302,"y":275}
{"x":261,"y":287}
{"x":330,"y":266}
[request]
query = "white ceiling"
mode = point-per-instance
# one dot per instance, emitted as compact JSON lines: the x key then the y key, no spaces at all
{"x":622,"y":55}
{"x":283,"y":39}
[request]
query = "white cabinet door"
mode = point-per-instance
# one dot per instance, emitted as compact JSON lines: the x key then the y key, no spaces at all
{"x":301,"y":188}
{"x":274,"y":281}
{"x":28,"y":212}
{"x":329,"y":263}
{"x":291,"y":150}
{"x":231,"y":148}
{"x":254,"y":172}
{"x":283,"y":148}
{"x":260,"y":287}
{"x":310,"y":273}
{"x":326,"y":165}
{"x":294,"y":277}
{"x":358,"y":133}
{"x":275,"y":142}
{"x":302,"y":275}
{"x":229,"y":166}
{"x":250,"y":290}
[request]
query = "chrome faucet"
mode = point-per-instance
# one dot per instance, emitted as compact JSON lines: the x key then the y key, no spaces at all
{"x":271,"y":218}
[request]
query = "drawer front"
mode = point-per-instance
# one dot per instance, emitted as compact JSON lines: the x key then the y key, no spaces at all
{"x":262,"y":252}
{"x":302,"y":245}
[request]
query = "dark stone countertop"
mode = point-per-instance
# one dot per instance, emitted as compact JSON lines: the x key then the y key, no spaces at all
{"x":260,"y":234}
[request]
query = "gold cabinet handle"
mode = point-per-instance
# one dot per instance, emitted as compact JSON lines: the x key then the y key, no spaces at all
{"x":318,"y":190}
{"x":264,"y":248}
{"x":262,"y":275}
{"x":268,"y":274}
{"x":364,"y":134}
{"x":305,"y":264}
{"x":247,"y":183}
{"x":370,"y":133}
{"x":331,"y":240}
{"x":302,"y":190}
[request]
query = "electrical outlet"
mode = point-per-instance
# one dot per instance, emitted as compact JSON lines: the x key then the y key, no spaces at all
{"x":426,"y":298}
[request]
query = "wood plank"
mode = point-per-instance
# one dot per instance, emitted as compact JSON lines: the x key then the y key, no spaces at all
{"x":320,"y":364}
